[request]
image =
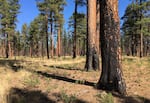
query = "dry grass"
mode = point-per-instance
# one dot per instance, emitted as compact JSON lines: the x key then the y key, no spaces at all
{"x":62,"y":80}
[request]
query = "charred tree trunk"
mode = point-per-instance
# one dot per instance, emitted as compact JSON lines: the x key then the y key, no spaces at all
{"x":111,"y":76}
{"x":92,"y":58}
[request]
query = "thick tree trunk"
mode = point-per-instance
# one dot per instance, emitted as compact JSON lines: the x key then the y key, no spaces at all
{"x":75,"y":35}
{"x":111,"y":76}
{"x":92,"y":58}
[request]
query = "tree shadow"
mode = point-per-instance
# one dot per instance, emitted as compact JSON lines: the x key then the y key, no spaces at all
{"x":65,"y":68}
{"x":136,"y":99}
{"x":25,"y":96}
{"x":66,"y":79}
{"x":13,"y":64}
{"x":17,"y":95}
{"x":131,"y":99}
{"x":68,"y":99}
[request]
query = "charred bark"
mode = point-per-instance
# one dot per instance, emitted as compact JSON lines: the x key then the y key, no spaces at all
{"x":111,"y":76}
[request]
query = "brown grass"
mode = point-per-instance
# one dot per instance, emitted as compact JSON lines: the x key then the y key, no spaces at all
{"x":62,"y":80}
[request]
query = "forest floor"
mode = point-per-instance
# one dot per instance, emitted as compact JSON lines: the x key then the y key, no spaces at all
{"x":63,"y":80}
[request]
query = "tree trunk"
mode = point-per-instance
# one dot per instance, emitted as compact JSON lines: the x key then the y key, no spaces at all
{"x":46,"y":31}
{"x":75,"y":35}
{"x":7,"y":46}
{"x":58,"y":42}
{"x":92,"y":58}
{"x":141,"y":34}
{"x":98,"y":26}
{"x":51,"y":39}
{"x":111,"y":76}
{"x":42,"y":48}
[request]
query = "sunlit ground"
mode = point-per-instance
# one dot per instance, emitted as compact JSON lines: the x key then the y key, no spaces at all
{"x":63,"y":80}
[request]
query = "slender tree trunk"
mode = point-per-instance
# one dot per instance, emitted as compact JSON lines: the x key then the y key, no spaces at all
{"x":98,"y":26}
{"x":9,"y":49}
{"x":111,"y":76}
{"x":75,"y":35}
{"x":58,"y":43}
{"x":51,"y":39}
{"x":7,"y":46}
{"x":141,"y":34}
{"x":92,"y":58}
{"x":46,"y":31}
{"x":30,"y":52}
{"x":42,"y":48}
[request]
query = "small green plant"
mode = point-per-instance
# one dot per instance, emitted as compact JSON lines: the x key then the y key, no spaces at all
{"x":67,"y":99}
{"x":31,"y":82}
{"x":80,"y":81}
{"x":65,"y":74}
{"x":48,"y":89}
{"x":105,"y":98}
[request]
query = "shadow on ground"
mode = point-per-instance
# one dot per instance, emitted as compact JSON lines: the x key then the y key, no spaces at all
{"x":13,"y":64}
{"x":131,"y":99}
{"x":65,"y":68}
{"x":66,"y":79}
{"x":25,"y":96}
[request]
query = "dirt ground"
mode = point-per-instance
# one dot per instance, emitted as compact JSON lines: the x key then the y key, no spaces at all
{"x":63,"y":80}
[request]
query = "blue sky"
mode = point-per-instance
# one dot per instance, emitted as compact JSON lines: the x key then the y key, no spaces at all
{"x":29,"y":11}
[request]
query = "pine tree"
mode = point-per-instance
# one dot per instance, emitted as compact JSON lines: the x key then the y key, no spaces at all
{"x":24,"y":32}
{"x":8,"y":11}
{"x":77,"y":3}
{"x":111,"y":76}
{"x":80,"y":31}
{"x":135,"y":26}
{"x":92,"y":56}
{"x":50,"y":8}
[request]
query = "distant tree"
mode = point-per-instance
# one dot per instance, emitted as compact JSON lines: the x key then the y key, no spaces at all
{"x":5,"y":21}
{"x":24,"y":32}
{"x":17,"y":43}
{"x":8,"y":15}
{"x":34,"y":37}
{"x":64,"y":43}
{"x":135,"y":27}
{"x":77,"y":3}
{"x":43,"y":8}
{"x":80,"y":31}
{"x":50,"y":9}
{"x":111,"y":77}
